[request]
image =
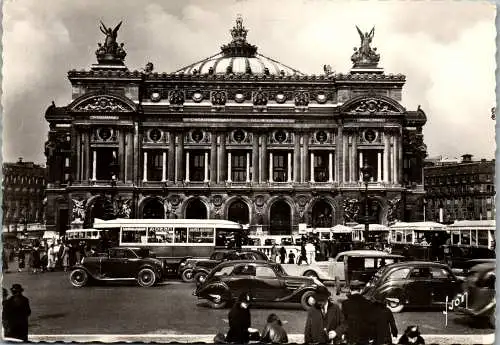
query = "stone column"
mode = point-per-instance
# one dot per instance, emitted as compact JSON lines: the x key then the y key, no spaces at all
{"x":205,"y":165}
{"x":270,"y":167}
{"x":264,"y":159}
{"x":86,"y":155}
{"x":255,"y":158}
{"x":305,"y":157}
{"x":296,"y":158}
{"x":171,"y":157}
{"x":379,"y":166}
{"x":289,"y":170}
{"x":94,"y":165}
{"x":145,"y":167}
{"x":400,"y":158}
{"x":164,"y":167}
{"x":136,"y":152}
{"x":394,"y":159}
{"x":339,"y":141}
{"x":78,"y":155}
{"x":361,"y":164}
{"x":345,"y":158}
{"x":355,"y":168}
{"x":248,"y":167}
{"x":223,"y":157}
{"x":213,"y":158}
{"x":387,"y":149}
{"x":187,"y":167}
{"x":312,"y":167}
{"x":330,"y":167}
{"x":179,"y":166}
{"x":229,"y":166}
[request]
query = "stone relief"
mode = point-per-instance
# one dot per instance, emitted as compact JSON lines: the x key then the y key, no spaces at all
{"x":78,"y":211}
{"x":351,"y":210}
{"x":102,"y":104}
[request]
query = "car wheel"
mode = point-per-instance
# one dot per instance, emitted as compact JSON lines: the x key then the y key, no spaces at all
{"x":187,"y":275}
{"x":146,"y":277}
{"x":306,"y":301}
{"x":217,"y":303}
{"x":199,"y":278}
{"x":79,"y":277}
{"x":310,"y":274}
{"x":395,"y":304}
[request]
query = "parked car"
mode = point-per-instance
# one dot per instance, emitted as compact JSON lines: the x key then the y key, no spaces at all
{"x":413,"y":283}
{"x":480,"y":288}
{"x":119,"y":264}
{"x":263,"y":280}
{"x":203,"y":267}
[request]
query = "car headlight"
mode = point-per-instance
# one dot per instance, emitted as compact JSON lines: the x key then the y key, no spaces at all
{"x":182,"y":264}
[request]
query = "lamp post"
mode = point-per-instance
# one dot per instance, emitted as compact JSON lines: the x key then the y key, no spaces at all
{"x":367,"y":175}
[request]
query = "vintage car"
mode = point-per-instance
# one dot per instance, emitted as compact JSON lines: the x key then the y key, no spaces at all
{"x":335,"y":269}
{"x":202,"y":268}
{"x":263,"y":280}
{"x":480,"y":288}
{"x":119,"y":264}
{"x":413,"y":283}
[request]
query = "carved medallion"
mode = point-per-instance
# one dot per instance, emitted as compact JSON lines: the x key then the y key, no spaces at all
{"x":176,"y":97}
{"x":280,"y":98}
{"x":218,"y":97}
{"x":239,"y":135}
{"x":260,"y":98}
{"x":217,"y":200}
{"x":280,"y":136}
{"x":175,"y":200}
{"x":197,"y":135}
{"x":301,"y":98}
{"x":321,"y":136}
{"x":370,"y":135}
{"x":155,"y":134}
{"x":259,"y":200}
{"x":197,"y":96}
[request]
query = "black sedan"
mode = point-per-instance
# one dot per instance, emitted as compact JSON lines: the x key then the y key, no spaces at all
{"x":413,"y":283}
{"x":263,"y":280}
{"x":119,"y":264}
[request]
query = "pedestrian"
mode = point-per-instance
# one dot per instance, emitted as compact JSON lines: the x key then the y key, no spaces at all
{"x":324,"y":321}
{"x":274,"y":253}
{"x":35,"y":253}
{"x":359,"y":318}
{"x":411,"y":337}
{"x":311,"y":251}
{"x":303,"y":254}
{"x":239,"y":320}
{"x":65,"y":257}
{"x":5,"y":261}
{"x":21,"y":259}
{"x":385,"y":325}
{"x":17,"y":310}
{"x":72,"y":255}
{"x":5,"y":324}
{"x":282,"y":255}
{"x":291,"y":257}
{"x":51,"y":258}
{"x":273,"y":331}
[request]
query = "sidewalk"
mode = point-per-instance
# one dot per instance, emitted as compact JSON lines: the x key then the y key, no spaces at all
{"x":442,"y":339}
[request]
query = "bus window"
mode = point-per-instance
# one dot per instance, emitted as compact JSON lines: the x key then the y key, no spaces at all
{"x":133,"y":235}
{"x":160,"y":235}
{"x":180,"y":235}
{"x":482,"y":237}
{"x":465,"y":238}
{"x":226,"y":238}
{"x":201,"y":235}
{"x":409,"y":237}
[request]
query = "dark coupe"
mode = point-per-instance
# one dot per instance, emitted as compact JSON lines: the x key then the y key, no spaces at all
{"x":118,"y":264}
{"x":413,"y":283}
{"x":263,"y":280}
{"x":203,"y":268}
{"x":191,"y":266}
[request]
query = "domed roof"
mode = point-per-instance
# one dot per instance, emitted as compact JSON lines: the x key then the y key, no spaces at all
{"x":239,"y":57}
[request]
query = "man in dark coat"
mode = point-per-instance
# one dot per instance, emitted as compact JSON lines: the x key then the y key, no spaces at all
{"x":17,"y":310}
{"x":324,"y":321}
{"x":282,"y":255}
{"x":239,"y":321}
{"x":385,"y":325}
{"x":360,"y":319}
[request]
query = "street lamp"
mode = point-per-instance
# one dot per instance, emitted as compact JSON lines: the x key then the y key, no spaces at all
{"x":366,"y":172}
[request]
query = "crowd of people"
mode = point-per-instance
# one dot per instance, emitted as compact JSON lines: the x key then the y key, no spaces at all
{"x":356,"y":321}
{"x":44,"y":256}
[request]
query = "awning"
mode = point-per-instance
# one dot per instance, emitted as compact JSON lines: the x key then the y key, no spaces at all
{"x":372,"y":227}
{"x":50,"y":234}
{"x":341,"y":229}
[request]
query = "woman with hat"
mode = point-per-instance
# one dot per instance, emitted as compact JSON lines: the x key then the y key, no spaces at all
{"x":239,"y":320}
{"x":411,"y":337}
{"x":17,"y":310}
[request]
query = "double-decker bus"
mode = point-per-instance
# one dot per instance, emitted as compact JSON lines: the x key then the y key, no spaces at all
{"x":173,"y":240}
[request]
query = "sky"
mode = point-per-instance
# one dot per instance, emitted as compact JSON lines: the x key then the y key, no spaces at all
{"x":445,"y":48}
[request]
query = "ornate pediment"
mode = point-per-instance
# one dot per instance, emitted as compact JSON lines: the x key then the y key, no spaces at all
{"x":372,"y":105}
{"x":102,"y":103}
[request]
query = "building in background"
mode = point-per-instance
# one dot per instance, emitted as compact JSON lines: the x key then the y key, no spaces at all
{"x":23,"y":190}
{"x":236,"y":136}
{"x":458,"y":190}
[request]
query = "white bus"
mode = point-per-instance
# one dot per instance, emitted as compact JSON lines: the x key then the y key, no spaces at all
{"x":473,"y":233}
{"x":174,"y":240}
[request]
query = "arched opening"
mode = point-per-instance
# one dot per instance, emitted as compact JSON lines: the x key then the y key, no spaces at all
{"x":322,"y":214}
{"x":101,"y":208}
{"x":196,"y":209}
{"x":153,"y":209}
{"x":281,"y":218}
{"x":238,"y":212}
